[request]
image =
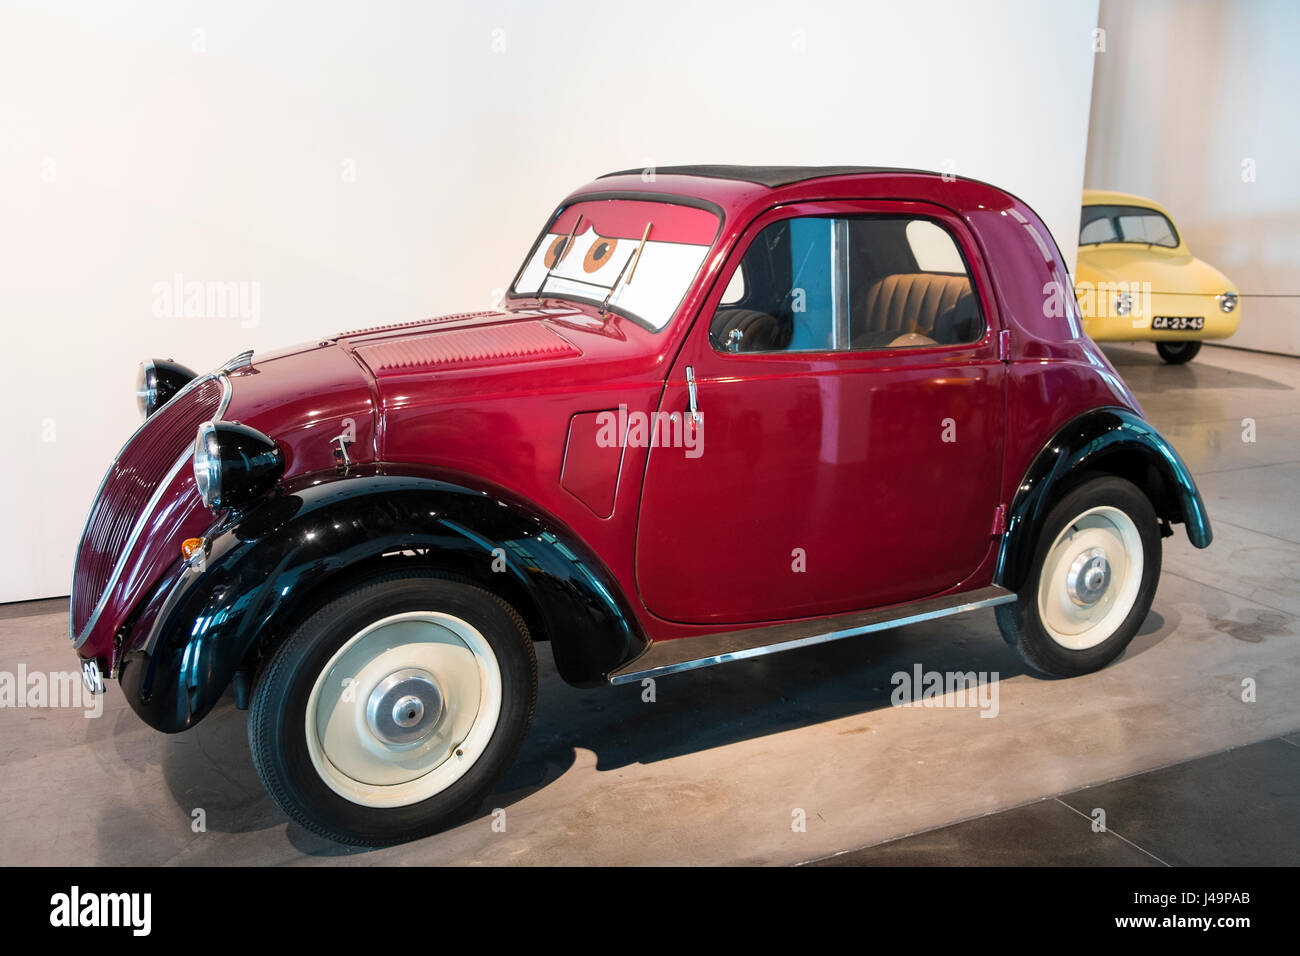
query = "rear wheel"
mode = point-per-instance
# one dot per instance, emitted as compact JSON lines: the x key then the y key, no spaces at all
{"x":1178,"y":353}
{"x":1091,"y":583}
{"x":394,"y":708}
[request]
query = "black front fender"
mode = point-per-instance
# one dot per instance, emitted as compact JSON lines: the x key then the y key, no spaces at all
{"x":1101,"y":441}
{"x":266,"y":567}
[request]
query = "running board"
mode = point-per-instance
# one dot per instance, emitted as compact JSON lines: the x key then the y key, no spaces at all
{"x":688,"y":653}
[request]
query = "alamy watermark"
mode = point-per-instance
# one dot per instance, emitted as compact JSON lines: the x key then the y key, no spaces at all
{"x":628,"y":429}
{"x":921,"y":688}
{"x":1110,"y":300}
{"x":192,"y":299}
{"x":76,"y":908}
{"x":38,"y":689}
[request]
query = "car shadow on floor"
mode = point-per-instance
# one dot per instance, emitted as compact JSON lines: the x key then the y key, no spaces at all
{"x":696,"y":711}
{"x":719,"y":706}
{"x":1145,"y":372}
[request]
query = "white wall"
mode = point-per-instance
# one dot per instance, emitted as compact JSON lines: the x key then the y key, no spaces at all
{"x":212,"y":140}
{"x":1186,"y":97}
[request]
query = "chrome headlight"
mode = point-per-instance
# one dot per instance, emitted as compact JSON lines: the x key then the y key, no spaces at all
{"x":234,"y":464}
{"x":1228,"y":301}
{"x":157,"y":381}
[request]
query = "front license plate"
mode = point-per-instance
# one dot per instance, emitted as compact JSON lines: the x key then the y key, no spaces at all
{"x":91,"y":677}
{"x":1178,"y":323}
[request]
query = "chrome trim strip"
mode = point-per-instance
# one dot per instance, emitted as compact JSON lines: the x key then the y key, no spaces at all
{"x":840,"y":267}
{"x":138,"y":527}
{"x":740,"y":655}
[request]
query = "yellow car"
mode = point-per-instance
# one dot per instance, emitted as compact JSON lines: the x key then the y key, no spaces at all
{"x":1137,"y":282}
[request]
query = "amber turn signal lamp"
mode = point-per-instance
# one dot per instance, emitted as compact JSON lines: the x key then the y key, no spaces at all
{"x":189,"y":546}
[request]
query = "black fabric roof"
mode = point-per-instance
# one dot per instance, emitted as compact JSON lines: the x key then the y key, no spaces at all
{"x":771,"y":176}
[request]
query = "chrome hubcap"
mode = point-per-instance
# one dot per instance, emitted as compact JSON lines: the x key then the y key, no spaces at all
{"x":1087,"y":578}
{"x":404,"y":707}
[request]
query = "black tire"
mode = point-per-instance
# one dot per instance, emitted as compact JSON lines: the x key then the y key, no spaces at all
{"x":1178,"y":353}
{"x":1020,"y":622}
{"x":277,"y":732}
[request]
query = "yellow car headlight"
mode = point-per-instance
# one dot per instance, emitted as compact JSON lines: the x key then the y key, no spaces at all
{"x":1228,"y":301}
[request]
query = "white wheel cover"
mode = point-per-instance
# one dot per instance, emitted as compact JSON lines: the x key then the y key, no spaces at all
{"x":360,"y":766}
{"x":1079,"y":627}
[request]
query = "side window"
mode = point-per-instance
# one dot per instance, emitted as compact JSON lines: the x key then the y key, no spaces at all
{"x":784,"y":300}
{"x":869,"y":282}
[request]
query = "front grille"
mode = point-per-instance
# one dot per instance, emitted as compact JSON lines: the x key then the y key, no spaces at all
{"x":141,"y":466}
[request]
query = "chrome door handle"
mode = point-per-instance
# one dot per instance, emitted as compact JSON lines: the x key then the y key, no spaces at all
{"x":694,"y":397}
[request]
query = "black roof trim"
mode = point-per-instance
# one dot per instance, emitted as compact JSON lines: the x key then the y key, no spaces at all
{"x":770,"y":176}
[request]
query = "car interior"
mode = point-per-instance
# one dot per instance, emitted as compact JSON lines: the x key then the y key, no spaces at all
{"x":818,"y":284}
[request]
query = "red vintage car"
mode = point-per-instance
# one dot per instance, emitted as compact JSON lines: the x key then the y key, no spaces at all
{"x":721,"y":412}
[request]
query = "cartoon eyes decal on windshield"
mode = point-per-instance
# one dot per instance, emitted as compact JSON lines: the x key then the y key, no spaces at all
{"x":599,"y":253}
{"x":559,"y":250}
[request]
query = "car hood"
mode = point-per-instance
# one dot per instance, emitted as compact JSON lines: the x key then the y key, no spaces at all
{"x":488,"y":342}
{"x":1168,"y":271}
{"x":345,"y":384}
{"x":510,"y":350}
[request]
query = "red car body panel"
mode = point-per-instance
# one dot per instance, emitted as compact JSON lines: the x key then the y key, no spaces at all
{"x":849,"y":447}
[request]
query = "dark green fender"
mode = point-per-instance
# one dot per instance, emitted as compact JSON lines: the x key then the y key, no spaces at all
{"x":266,"y":567}
{"x":1104,"y":440}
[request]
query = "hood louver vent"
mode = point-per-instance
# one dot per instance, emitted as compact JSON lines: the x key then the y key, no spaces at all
{"x":465,"y":348}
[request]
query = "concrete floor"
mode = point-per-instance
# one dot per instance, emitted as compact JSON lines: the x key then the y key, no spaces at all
{"x":1234,"y":808}
{"x":716,"y":769}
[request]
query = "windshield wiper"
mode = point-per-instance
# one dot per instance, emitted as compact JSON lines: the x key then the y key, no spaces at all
{"x":633,"y":260}
{"x":560,"y":254}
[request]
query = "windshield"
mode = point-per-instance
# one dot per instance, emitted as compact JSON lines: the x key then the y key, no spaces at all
{"x":635,"y":257}
{"x":1101,"y":224}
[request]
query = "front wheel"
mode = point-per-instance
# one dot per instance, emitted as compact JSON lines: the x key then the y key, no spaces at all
{"x":394,"y":708}
{"x":1178,"y":353}
{"x":1091,"y":583}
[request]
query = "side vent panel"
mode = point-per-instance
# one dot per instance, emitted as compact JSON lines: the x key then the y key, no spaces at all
{"x":591,"y":463}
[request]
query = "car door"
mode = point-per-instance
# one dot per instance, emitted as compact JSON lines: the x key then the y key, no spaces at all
{"x":848,"y":449}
